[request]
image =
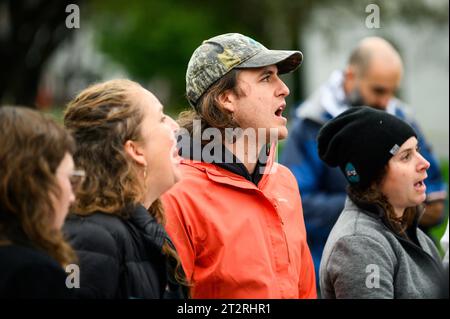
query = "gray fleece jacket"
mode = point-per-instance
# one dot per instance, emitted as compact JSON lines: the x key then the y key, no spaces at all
{"x":363,"y":258}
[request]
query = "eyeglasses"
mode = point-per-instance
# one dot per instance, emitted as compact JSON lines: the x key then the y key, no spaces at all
{"x":77,"y":178}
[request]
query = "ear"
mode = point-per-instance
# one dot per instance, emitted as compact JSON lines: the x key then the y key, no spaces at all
{"x":227,"y":100}
{"x":349,"y":79}
{"x":134,"y":150}
{"x":349,"y":73}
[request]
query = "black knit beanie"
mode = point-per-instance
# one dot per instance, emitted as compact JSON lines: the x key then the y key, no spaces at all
{"x":361,"y":141}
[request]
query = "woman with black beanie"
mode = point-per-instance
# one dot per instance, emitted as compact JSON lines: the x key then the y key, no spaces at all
{"x":375,"y":249}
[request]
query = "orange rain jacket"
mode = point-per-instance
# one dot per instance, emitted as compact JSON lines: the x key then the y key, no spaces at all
{"x":239,"y":240}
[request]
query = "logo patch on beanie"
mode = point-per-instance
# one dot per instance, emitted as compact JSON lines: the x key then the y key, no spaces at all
{"x":394,"y":149}
{"x":351,"y":173}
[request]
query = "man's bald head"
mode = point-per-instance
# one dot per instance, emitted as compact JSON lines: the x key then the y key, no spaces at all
{"x":373,"y":73}
{"x":374,"y":50}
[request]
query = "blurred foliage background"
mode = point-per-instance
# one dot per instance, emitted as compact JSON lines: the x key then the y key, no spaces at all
{"x":152,"y":40}
{"x":44,"y":63}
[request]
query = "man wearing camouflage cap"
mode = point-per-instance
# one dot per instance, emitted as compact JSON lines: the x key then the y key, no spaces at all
{"x":236,"y":218}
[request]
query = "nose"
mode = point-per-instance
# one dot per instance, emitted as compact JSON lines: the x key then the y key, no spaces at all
{"x":173,"y":124}
{"x":283,"y":90}
{"x":423,"y":163}
{"x":385,"y":98}
{"x":382,"y":102}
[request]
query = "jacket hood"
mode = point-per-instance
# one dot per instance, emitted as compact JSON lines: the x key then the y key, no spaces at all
{"x":221,"y":174}
{"x":330,"y":100}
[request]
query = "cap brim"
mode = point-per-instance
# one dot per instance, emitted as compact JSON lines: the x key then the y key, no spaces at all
{"x":286,"y":61}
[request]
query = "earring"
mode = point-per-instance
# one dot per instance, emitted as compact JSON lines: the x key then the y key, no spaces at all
{"x":145,"y":171}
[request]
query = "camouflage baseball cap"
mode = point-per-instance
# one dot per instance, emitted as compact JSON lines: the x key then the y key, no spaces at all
{"x":220,"y":54}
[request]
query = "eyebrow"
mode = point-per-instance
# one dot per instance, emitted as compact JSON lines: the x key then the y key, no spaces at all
{"x":406,"y":150}
{"x":379,"y":88}
{"x":409,"y":149}
{"x":382,"y":89}
{"x":267,"y":71}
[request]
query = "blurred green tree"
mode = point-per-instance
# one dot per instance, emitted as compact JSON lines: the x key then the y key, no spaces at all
{"x":30,"y":31}
{"x":155,"y":39}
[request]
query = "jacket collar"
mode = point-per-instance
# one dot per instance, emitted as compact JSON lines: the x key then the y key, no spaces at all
{"x":155,"y":236}
{"x":153,"y":231}
{"x":219,"y":171}
{"x":418,"y":243}
{"x":330,"y":100}
{"x":377,"y":212}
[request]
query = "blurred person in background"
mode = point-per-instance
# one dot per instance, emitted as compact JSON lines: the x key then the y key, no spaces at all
{"x":36,"y":180}
{"x":444,"y":245}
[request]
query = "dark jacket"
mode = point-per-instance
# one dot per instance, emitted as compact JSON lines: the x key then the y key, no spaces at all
{"x":30,"y":273}
{"x":119,"y":258}
{"x":27,"y":272}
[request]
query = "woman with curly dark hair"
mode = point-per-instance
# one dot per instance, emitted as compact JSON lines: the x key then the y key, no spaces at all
{"x":127,"y":146}
{"x":36,"y":170}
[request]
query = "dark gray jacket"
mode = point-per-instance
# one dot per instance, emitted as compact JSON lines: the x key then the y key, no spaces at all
{"x":363,"y":258}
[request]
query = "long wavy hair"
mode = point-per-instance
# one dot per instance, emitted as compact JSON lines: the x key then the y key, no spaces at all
{"x":102,"y":118}
{"x":32,"y":146}
{"x":372,"y":195}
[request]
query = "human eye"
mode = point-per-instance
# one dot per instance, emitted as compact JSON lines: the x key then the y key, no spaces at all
{"x":163,"y":118}
{"x":266,"y":76}
{"x":406,"y":156}
{"x":379,"y":90}
{"x":76,"y":178}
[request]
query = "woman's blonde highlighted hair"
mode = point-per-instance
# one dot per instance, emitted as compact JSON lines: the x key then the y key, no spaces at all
{"x":102,"y":118}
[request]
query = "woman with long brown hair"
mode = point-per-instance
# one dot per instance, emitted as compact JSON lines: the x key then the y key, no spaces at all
{"x":36,"y":171}
{"x":127,"y":146}
{"x":375,"y":249}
